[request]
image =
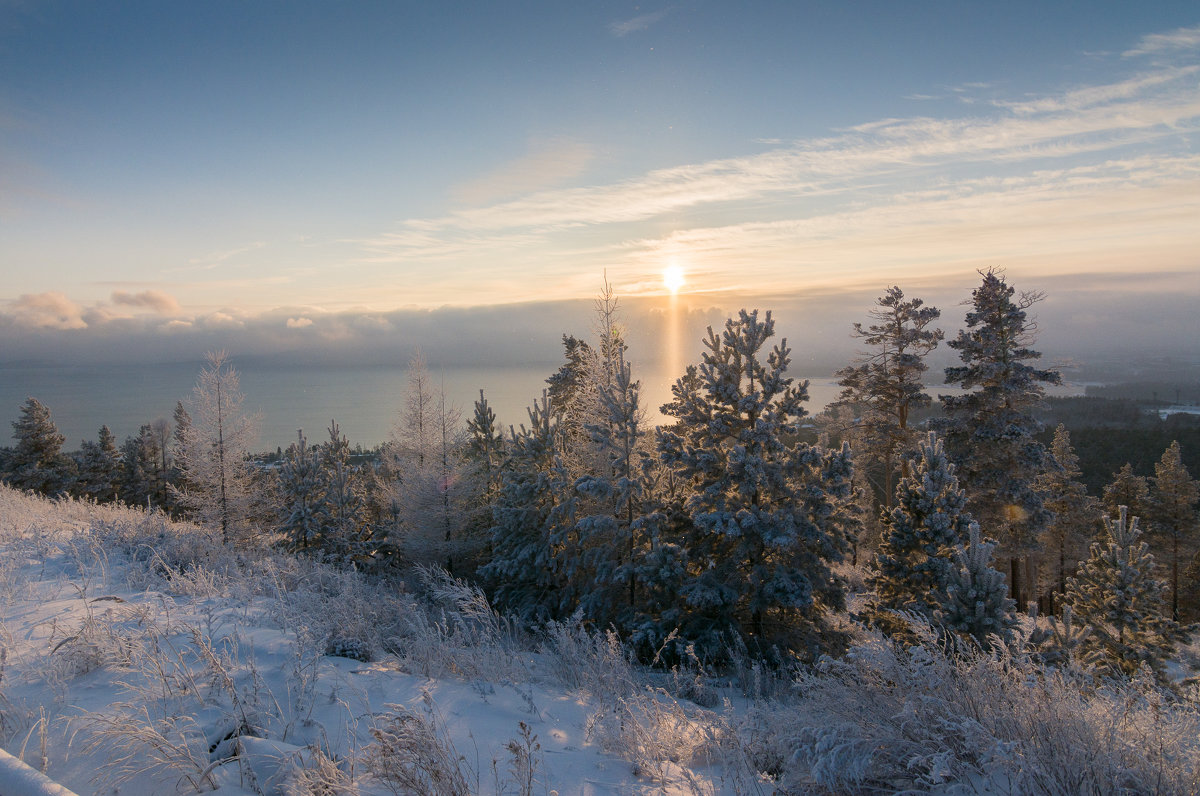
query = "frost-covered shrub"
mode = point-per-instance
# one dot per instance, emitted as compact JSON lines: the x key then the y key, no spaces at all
{"x":412,"y":753}
{"x":456,"y":631}
{"x":887,"y":718}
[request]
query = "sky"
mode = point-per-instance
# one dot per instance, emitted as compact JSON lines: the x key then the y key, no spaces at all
{"x":330,"y":181}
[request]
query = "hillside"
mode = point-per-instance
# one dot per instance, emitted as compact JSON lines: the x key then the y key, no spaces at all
{"x":141,"y":657}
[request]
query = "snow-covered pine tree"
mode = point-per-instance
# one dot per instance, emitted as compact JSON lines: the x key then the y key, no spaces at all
{"x":535,"y":506}
{"x":98,"y":468}
{"x":483,"y":458}
{"x":1061,"y":643}
{"x":175,"y":483}
{"x":1173,"y":521}
{"x":485,"y":451}
{"x":915,"y":562}
{"x":990,"y":428}
{"x":302,"y":487}
{"x":977,"y":605}
{"x":214,"y":471}
{"x":614,"y":540}
{"x":1116,"y":592}
{"x":145,"y":464}
{"x":885,"y":383}
{"x":347,"y":532}
{"x":1076,"y":514}
{"x":1127,"y":489}
{"x":137,"y":470}
{"x":571,"y":390}
{"x":765,"y":513}
{"x":37,"y":462}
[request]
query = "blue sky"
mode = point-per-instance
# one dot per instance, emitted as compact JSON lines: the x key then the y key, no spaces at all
{"x":300,"y":172}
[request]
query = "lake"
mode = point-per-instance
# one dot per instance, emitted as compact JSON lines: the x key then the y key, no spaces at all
{"x":365,"y":400}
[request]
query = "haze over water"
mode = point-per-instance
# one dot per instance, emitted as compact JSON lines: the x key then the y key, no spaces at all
{"x":365,"y":400}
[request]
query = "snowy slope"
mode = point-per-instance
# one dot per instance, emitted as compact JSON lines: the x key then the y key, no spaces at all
{"x":142,"y":658}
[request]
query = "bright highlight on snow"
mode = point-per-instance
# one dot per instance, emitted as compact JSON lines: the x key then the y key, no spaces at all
{"x":673,"y":278}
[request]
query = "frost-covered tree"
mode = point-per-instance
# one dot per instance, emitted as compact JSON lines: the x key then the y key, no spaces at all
{"x":485,"y":451}
{"x":347,"y":530}
{"x":144,"y":467}
{"x":98,"y":468}
{"x":137,"y":469}
{"x":301,"y":487}
{"x":214,"y":471}
{"x":977,"y":605}
{"x":425,"y":453}
{"x":483,"y":458}
{"x":885,"y":385}
{"x":533,"y":521}
{"x":915,"y":562}
{"x":1127,"y":489}
{"x":1173,"y":521}
{"x":990,"y":428}
{"x":614,"y":538}
{"x":1076,"y":513}
{"x":1117,"y":593}
{"x":571,"y":390}
{"x":765,"y":515}
{"x":37,"y":462}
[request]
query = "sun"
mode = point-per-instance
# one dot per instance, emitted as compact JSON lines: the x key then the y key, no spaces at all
{"x":673,"y":278}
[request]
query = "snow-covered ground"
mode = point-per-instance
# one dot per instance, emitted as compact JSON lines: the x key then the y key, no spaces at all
{"x":139,"y":657}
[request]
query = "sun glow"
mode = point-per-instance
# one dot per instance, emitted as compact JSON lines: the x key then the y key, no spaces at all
{"x":673,"y":278}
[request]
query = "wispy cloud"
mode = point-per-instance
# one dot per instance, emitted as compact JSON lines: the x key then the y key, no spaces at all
{"x":637,"y":24}
{"x":1159,"y":43}
{"x":890,"y":181}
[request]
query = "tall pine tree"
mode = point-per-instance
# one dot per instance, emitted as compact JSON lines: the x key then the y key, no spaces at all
{"x":990,"y":428}
{"x":885,"y":384}
{"x":765,"y":514}
{"x":1127,"y":489}
{"x":1076,"y":513}
{"x":37,"y":462}
{"x":533,"y":522}
{"x":1173,"y":498}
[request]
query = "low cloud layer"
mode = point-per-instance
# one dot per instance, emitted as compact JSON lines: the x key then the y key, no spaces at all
{"x":1084,"y":317}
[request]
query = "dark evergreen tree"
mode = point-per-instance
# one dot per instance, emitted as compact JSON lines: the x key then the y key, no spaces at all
{"x":98,"y":468}
{"x":977,"y":605}
{"x":348,"y":533}
{"x":1076,"y":514}
{"x":990,"y":428}
{"x":765,"y":515}
{"x":302,"y":494}
{"x":885,"y":383}
{"x":1173,"y":522}
{"x":614,"y":538}
{"x":1129,"y":490}
{"x":484,"y":457}
{"x":915,"y":562}
{"x":37,"y":462}
{"x":1117,"y":593}
{"x":534,"y":522}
